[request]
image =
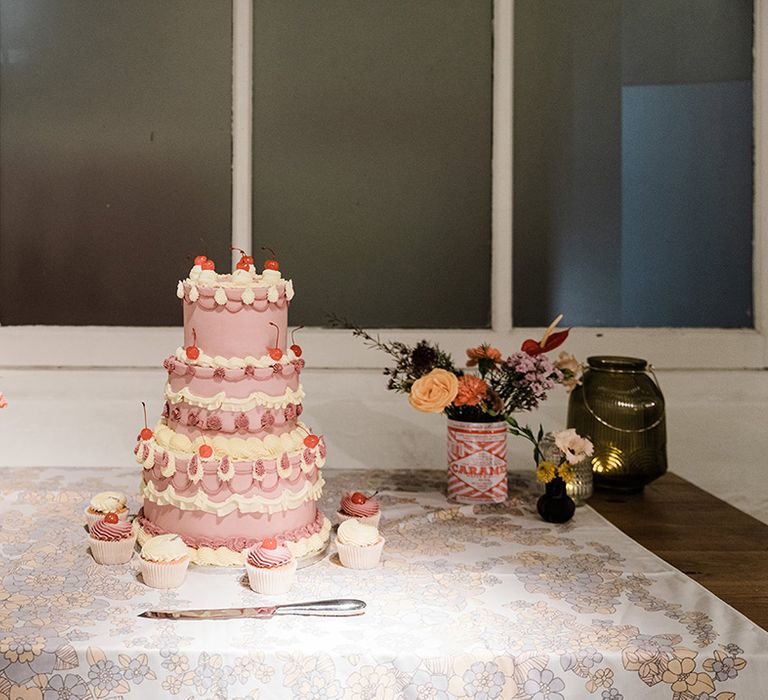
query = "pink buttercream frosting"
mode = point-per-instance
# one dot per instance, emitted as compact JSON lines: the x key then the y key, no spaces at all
{"x":264,"y":558}
{"x":358,"y":510}
{"x":238,"y":542}
{"x":111,"y":532}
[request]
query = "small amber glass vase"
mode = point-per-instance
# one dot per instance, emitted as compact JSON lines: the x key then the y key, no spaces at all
{"x":620,"y":407}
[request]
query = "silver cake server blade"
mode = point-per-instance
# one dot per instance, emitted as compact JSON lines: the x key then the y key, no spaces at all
{"x":341,"y":607}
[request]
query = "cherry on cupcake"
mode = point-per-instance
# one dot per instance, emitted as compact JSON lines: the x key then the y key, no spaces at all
{"x":358,"y":498}
{"x":146,"y":433}
{"x":192,"y":351}
{"x":296,"y":349}
{"x":111,"y":518}
{"x":269,"y":543}
{"x":272,"y":263}
{"x":276,"y":353}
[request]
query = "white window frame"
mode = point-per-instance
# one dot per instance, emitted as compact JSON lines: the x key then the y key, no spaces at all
{"x":108,"y":346}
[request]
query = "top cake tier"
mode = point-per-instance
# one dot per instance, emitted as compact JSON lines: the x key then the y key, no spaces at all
{"x":230,"y":315}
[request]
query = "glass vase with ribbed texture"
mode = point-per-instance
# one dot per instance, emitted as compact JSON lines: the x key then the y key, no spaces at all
{"x":620,"y":408}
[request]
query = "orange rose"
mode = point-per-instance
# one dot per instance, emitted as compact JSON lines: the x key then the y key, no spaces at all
{"x":472,"y":390}
{"x":434,"y":391}
{"x":482,"y":352}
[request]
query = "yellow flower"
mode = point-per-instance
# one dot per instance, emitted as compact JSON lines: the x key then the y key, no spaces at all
{"x":545,"y":472}
{"x":434,"y":391}
{"x":565,"y":472}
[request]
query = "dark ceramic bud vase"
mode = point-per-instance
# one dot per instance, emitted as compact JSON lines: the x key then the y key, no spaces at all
{"x":556,"y":506}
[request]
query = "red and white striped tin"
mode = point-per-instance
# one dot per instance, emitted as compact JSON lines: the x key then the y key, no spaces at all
{"x":477,"y":462}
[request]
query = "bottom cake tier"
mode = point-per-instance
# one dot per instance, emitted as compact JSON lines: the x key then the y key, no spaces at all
{"x":215,"y":541}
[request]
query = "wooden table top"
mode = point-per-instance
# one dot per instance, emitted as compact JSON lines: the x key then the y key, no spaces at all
{"x":719,"y":546}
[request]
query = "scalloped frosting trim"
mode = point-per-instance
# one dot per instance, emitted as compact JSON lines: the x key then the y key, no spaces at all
{"x":258,"y":420}
{"x":287,"y":500}
{"x":232,"y":403}
{"x":234,"y":447}
{"x":224,"y":556}
{"x":161,"y":464}
{"x":241,"y":288}
{"x":288,"y":360}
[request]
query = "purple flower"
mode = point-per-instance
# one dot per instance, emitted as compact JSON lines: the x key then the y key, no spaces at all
{"x":69,"y":687}
{"x":542,"y":685}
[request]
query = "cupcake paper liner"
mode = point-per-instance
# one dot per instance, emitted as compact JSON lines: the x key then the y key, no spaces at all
{"x":92,"y":518}
{"x":116,"y":552}
{"x":368,"y":520}
{"x":158,"y":574}
{"x":355,"y":556}
{"x":272,"y":581}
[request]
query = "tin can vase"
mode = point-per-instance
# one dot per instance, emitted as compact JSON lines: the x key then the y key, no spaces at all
{"x":620,"y":407}
{"x":477,"y":462}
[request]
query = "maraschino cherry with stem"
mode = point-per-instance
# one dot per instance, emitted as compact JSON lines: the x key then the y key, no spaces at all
{"x":245,"y":261}
{"x":359,"y":498}
{"x":269,"y":543}
{"x":272,"y":263}
{"x":204,"y":262}
{"x":146,"y":433}
{"x":311,"y":440}
{"x":296,"y":349}
{"x":276,"y":353}
{"x":192,"y":351}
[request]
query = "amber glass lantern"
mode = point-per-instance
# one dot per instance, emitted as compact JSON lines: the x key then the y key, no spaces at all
{"x":620,"y":407}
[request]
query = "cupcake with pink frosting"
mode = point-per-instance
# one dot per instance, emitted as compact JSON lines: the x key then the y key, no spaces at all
{"x":357,"y":505}
{"x":271,"y":567}
{"x":112,"y":540}
{"x":359,"y":545}
{"x":106,"y":502}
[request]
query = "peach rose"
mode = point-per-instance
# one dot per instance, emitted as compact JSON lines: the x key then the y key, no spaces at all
{"x":434,"y":391}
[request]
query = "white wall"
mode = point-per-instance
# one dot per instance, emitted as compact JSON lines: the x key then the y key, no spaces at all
{"x":717,"y":424}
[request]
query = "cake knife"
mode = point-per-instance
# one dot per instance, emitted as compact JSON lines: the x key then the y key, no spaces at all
{"x":341,"y":607}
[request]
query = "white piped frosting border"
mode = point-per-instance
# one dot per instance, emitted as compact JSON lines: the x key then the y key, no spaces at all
{"x":231,"y":403}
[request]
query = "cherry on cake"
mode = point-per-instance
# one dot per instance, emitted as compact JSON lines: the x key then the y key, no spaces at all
{"x":230,"y":463}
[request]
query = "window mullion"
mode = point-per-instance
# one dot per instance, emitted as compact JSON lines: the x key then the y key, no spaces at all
{"x":242,"y":53}
{"x":501,"y":226}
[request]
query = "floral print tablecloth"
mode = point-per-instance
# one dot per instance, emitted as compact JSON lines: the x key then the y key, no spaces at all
{"x":470,"y":602}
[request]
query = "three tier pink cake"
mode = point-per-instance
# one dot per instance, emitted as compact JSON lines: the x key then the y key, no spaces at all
{"x":230,"y":463}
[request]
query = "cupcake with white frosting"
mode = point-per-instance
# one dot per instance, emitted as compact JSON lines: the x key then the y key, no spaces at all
{"x":107,"y":502}
{"x":112,"y":540}
{"x":271,"y":567}
{"x":164,"y":561}
{"x":357,"y":505}
{"x":359,"y":545}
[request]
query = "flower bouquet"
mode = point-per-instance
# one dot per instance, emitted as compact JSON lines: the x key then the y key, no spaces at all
{"x":479,"y":400}
{"x":560,"y":454}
